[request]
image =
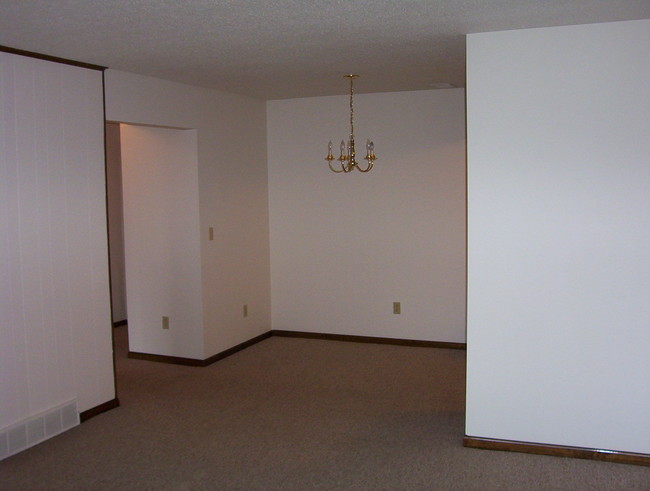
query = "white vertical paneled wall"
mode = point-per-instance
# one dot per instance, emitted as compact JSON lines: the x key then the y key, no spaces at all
{"x":55,"y":337}
{"x":559,"y":236}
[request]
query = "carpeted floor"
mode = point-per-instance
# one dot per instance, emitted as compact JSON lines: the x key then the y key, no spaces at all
{"x":295,"y":414}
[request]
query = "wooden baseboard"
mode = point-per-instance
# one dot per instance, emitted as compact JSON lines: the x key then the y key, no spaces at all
{"x":369,"y":339}
{"x":235,"y":349}
{"x":194,"y":362}
{"x":174,"y":360}
{"x":558,"y":450}
{"x":102,"y":408}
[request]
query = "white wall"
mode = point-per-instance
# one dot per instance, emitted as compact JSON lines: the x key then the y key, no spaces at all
{"x":161,"y":240}
{"x":344,"y":247}
{"x":559,"y":234}
{"x":115,"y":221}
{"x":233,"y":195}
{"x":55,"y":324}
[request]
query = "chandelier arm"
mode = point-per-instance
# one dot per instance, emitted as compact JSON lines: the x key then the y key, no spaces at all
{"x":366,"y":169}
{"x":329,"y":162}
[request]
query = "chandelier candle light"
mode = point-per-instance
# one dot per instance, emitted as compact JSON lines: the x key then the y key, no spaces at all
{"x":348,"y":161}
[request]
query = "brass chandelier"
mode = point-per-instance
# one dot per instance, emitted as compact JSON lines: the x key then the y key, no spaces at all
{"x":348,"y":160}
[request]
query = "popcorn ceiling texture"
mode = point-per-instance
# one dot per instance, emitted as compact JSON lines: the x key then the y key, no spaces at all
{"x":286,"y":48}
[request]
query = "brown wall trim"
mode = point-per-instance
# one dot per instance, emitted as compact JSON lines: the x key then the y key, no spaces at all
{"x":102,"y":408}
{"x":235,"y":349}
{"x":369,"y":339}
{"x":193,"y":362}
{"x":174,"y":360}
{"x":558,"y":450}
{"x":55,"y":59}
{"x":120,"y":323}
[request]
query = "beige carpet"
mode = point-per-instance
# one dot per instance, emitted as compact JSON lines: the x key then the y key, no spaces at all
{"x":295,"y":414}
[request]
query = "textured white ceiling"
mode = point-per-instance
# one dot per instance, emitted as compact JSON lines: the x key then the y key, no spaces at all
{"x":279,"y":49}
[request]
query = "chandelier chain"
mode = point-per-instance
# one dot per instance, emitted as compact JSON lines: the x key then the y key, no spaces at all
{"x":351,"y":108}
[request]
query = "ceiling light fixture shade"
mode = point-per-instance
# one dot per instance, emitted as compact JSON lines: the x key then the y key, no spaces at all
{"x":348,"y":160}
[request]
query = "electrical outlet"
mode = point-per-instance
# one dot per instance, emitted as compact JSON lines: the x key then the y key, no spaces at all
{"x":165,"y":322}
{"x":245,"y":311}
{"x":397,"y":308}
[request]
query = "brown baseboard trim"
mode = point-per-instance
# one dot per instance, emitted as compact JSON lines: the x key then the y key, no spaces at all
{"x":120,"y":323}
{"x":235,"y":349}
{"x":193,"y":362}
{"x":102,"y":408}
{"x":174,"y":360}
{"x":369,"y":339}
{"x":558,"y":450}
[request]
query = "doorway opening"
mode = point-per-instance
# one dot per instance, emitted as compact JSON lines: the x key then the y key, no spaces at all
{"x":153,"y":230}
